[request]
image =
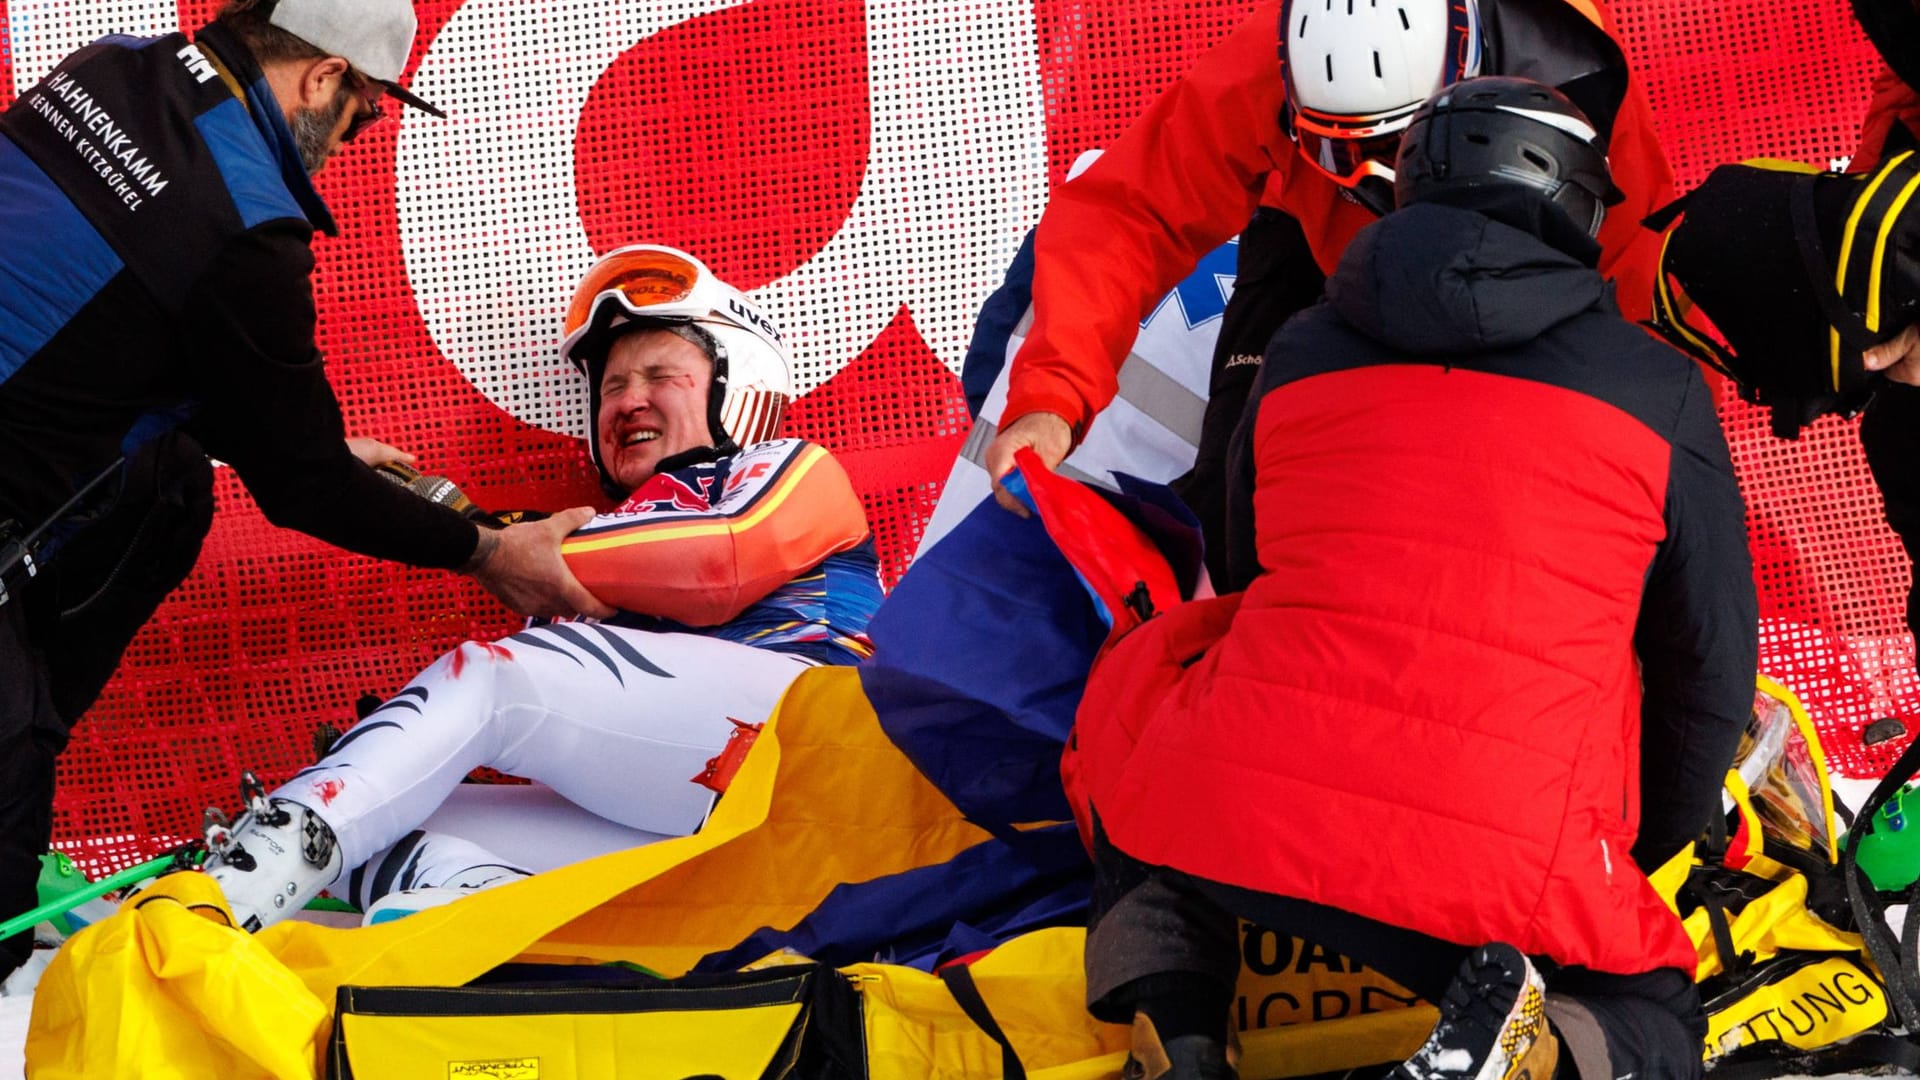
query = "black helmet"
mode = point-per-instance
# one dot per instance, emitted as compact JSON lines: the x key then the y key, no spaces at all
{"x":1497,"y":129}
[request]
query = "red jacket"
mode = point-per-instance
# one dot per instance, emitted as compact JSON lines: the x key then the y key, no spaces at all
{"x":1894,"y":102}
{"x":1188,"y":174}
{"x":1481,"y":526}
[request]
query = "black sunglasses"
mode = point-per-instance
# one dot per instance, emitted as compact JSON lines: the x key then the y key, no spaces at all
{"x":371,"y":113}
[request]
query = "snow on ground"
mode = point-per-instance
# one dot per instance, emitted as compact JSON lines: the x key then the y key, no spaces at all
{"x":14,"y":1012}
{"x":1851,"y":794}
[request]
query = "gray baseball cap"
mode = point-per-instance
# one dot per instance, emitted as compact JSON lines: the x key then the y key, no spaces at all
{"x":374,"y":36}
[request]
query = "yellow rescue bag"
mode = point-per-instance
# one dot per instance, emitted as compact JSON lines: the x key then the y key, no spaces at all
{"x":1785,"y":977}
{"x":171,"y":990}
{"x":786,"y":1023}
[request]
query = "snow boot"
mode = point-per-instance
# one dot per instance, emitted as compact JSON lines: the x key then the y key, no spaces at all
{"x":1493,"y":1024}
{"x":278,"y":856}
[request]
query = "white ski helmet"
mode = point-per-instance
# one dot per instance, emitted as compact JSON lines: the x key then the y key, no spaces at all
{"x":648,"y":285}
{"x":1355,"y":71}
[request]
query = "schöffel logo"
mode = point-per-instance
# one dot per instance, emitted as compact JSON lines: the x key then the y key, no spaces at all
{"x":747,"y":312}
{"x":497,"y":1069}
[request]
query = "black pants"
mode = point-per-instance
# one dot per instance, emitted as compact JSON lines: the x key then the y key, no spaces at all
{"x":62,"y":636}
{"x":1152,"y":921}
{"x":31,"y":736}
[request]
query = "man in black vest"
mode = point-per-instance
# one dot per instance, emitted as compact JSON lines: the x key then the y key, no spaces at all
{"x":156,"y":308}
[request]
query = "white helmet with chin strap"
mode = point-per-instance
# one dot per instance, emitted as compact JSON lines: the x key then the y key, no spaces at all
{"x":1355,"y":72}
{"x":650,"y":286}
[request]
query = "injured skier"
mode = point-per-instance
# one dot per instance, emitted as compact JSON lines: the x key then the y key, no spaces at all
{"x":737,"y":561}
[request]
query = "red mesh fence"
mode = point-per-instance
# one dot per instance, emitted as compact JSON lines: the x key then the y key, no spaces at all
{"x":867,"y":169}
{"x":1729,"y":80}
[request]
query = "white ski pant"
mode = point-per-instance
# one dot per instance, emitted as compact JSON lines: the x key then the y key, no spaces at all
{"x":617,"y":721}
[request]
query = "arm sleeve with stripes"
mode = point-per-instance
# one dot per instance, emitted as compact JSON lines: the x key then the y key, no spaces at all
{"x":786,"y":506}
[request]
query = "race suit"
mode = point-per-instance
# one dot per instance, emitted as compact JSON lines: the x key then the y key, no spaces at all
{"x":733,"y":576}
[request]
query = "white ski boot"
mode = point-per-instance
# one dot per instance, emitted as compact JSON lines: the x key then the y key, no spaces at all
{"x":270,"y":862}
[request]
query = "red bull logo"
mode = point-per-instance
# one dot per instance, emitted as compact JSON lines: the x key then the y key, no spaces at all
{"x":666,"y":493}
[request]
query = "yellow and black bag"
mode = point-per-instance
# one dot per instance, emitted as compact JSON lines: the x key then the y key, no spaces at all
{"x":1800,"y":271}
{"x":538,"y":1022}
{"x":1790,"y":984}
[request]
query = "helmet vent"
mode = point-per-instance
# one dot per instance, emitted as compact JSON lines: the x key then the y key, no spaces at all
{"x":1329,"y":67}
{"x":1376,"y":66}
{"x":1486,"y":132}
{"x":1405,"y":23}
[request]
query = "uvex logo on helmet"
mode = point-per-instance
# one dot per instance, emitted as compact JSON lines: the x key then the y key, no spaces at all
{"x":751,"y":315}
